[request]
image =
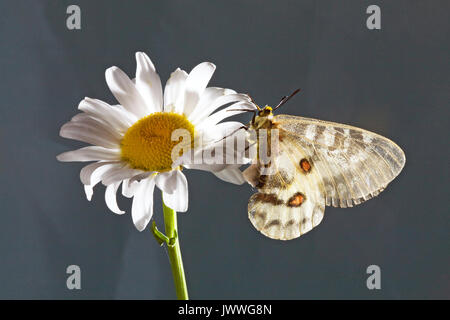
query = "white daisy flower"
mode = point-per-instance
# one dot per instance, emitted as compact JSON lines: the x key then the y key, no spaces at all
{"x":131,"y":142}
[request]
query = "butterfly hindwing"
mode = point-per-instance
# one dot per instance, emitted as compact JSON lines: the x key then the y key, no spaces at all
{"x":290,"y":201}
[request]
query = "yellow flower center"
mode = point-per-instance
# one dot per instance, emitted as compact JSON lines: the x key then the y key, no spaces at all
{"x":148,"y":145}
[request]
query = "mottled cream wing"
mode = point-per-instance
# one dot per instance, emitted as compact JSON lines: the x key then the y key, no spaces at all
{"x":290,"y":201}
{"x":351,"y":164}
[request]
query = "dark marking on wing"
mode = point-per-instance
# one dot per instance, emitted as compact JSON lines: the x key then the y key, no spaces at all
{"x":289,"y":223}
{"x":279,"y":180}
{"x":356,"y":135}
{"x":269,"y":198}
{"x":272,"y":223}
{"x":261,"y":181}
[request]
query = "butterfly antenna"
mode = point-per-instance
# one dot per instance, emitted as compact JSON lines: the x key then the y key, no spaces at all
{"x":253,"y":101}
{"x":286,"y":99}
{"x":246,"y":127}
{"x":248,"y":110}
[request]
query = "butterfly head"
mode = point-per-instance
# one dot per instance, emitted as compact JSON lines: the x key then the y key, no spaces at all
{"x":262,"y":117}
{"x":265,"y":112}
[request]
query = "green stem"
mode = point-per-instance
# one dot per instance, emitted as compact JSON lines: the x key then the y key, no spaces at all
{"x":174,"y":251}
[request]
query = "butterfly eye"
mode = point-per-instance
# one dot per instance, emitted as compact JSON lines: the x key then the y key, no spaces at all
{"x":265,"y":112}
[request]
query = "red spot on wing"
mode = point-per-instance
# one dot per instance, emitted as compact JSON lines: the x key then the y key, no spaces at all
{"x":305,"y":165}
{"x":296,"y":200}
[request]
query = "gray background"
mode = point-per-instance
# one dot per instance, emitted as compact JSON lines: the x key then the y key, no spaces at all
{"x":394,"y":81}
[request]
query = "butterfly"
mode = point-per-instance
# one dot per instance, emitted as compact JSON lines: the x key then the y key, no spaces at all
{"x":315,"y":164}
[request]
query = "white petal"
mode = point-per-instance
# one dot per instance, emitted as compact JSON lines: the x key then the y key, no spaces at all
{"x":96,"y":175}
{"x":167,"y":181}
{"x":129,"y":188}
{"x":231,"y":174}
{"x":142,"y":207}
{"x":99,"y":173}
{"x":224,"y":136}
{"x":174,"y":91}
{"x":178,"y":200}
{"x":140,"y":176}
{"x":110,"y":198}
{"x":119,"y":174}
{"x":91,"y":153}
{"x":89,"y":191}
{"x":87,"y":171}
{"x":207,"y":98}
{"x":221,"y":131}
{"x":196,"y":83}
{"x":206,"y":167}
{"x":125,"y":91}
{"x":208,"y":140}
{"x":90,"y":131}
{"x":224,"y":113}
{"x":117,"y":117}
{"x":204,"y":110}
{"x":212,"y":93}
{"x":148,"y":83}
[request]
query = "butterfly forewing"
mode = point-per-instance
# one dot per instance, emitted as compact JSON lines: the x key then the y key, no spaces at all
{"x":354,"y":164}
